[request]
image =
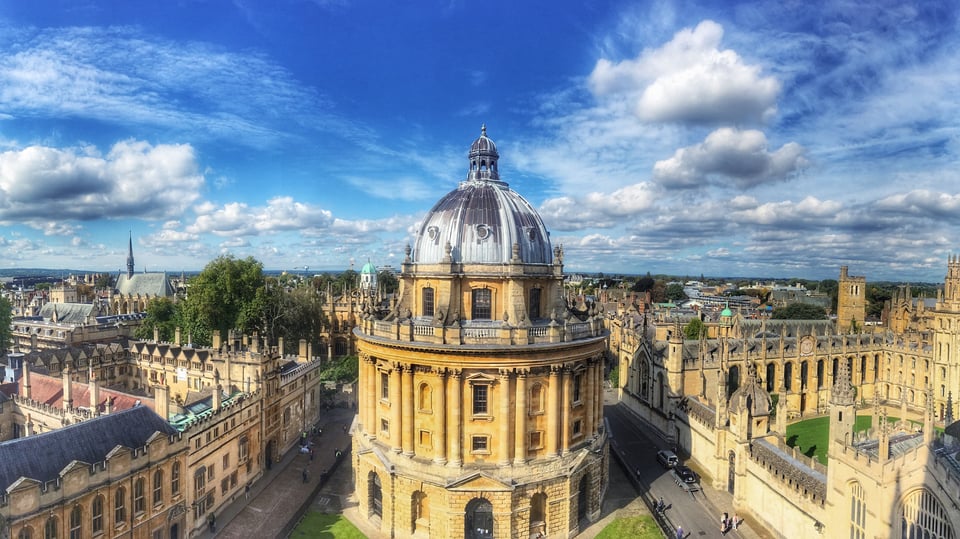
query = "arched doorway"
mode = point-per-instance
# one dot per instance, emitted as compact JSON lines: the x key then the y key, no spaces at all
{"x":271,"y":449}
{"x":375,"y":490}
{"x":478,"y":521}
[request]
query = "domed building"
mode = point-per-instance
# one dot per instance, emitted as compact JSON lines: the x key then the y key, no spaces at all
{"x":480,"y":392}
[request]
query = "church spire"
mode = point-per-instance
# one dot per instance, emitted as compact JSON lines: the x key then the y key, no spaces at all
{"x":130,"y":257}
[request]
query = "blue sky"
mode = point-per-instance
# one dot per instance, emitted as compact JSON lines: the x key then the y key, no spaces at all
{"x":718,"y":138}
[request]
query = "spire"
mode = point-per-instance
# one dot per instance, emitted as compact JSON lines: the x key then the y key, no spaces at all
{"x":843,"y":392}
{"x":948,"y":416}
{"x":130,"y":257}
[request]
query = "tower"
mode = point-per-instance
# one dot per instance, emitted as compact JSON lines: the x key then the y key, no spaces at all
{"x":130,"y":257}
{"x":851,"y":302}
{"x":843,"y":407}
{"x":480,"y":392}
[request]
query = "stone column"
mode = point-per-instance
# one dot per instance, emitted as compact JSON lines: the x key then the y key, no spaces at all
{"x":589,"y":394}
{"x":598,"y":416}
{"x":553,"y":412}
{"x":520,"y":435}
{"x":371,"y":397}
{"x":565,"y":403}
{"x":441,"y":411}
{"x":456,"y":422}
{"x":395,"y":417}
{"x":503,"y":431}
{"x":406,"y":401}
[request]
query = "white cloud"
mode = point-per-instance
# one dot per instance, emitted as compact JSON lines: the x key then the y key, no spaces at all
{"x":134,"y":179}
{"x":689,"y":80}
{"x":598,"y":210}
{"x":741,"y":156}
{"x":237,"y":218}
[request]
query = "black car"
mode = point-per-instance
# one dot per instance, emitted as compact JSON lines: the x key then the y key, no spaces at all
{"x":685,"y":474}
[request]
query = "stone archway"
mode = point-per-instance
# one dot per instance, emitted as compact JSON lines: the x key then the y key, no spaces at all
{"x":478,"y":520}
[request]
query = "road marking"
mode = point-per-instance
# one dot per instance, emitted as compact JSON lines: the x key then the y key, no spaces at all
{"x":255,"y":509}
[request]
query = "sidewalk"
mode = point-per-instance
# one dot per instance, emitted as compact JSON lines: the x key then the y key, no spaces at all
{"x":277,"y":496}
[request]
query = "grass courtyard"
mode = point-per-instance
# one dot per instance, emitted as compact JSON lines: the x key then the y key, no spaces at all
{"x":318,"y":525}
{"x":810,"y":436}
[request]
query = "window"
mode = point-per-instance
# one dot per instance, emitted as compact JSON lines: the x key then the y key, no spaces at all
{"x":480,"y":399}
{"x":175,"y":479}
{"x":426,"y":297}
{"x":158,"y":487}
{"x":139,"y":504}
{"x":375,"y":491}
{"x":200,"y":483}
{"x":481,"y":305}
{"x":480,"y":444}
{"x":384,"y":386}
{"x":50,"y":529}
{"x":244,"y":448}
{"x":97,"y":510}
{"x":536,"y":440}
{"x":538,"y":508}
{"x":577,"y":427}
{"x":26,"y":532}
{"x":536,"y":399}
{"x":577,"y":383}
{"x":119,"y":506}
{"x":76,"y":522}
{"x":385,"y":427}
{"x":226,"y":461}
{"x":534,"y":305}
{"x":858,"y":512}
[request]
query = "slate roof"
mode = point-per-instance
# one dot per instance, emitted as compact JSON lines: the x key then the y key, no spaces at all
{"x":43,"y":456}
{"x":145,"y":284}
{"x":69,"y":313}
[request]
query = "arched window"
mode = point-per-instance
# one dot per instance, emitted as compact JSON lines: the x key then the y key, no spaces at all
{"x":482,"y":304}
{"x":538,"y":509}
{"x":478,"y":521}
{"x":922,"y":515}
{"x":536,"y":398}
{"x":139,"y":500}
{"x":175,"y":479}
{"x":426,"y":303}
{"x":644,"y":380}
{"x":534,"y":304}
{"x":96,"y":510}
{"x":375,"y":491}
{"x":50,"y":529}
{"x":788,"y":376}
{"x":25,"y":532}
{"x":858,"y":512}
{"x":820,"y":374}
{"x":119,"y":506}
{"x":426,"y":398}
{"x":771,"y":376}
{"x":158,"y":487}
{"x":76,"y":522}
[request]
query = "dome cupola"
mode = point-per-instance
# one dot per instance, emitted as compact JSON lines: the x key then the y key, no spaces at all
{"x":482,"y":221}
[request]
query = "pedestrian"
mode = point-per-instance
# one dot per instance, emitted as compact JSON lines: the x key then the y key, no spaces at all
{"x":679,"y":532}
{"x":246,"y":492}
{"x":304,"y":473}
{"x":212,"y":521}
{"x":311,"y":454}
{"x":723,"y":524}
{"x":736,"y":521}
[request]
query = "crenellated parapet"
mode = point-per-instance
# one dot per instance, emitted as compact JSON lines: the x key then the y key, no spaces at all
{"x":807,"y":479}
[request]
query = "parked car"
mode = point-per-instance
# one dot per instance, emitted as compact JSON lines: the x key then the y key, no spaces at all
{"x":685,"y":474}
{"x":667,"y":458}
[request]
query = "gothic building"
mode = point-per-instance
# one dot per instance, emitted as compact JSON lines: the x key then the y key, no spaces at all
{"x":726,"y":402}
{"x":480,"y":402}
{"x":134,"y":291}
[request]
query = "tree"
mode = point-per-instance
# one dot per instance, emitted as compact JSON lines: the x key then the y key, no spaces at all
{"x":799,"y":311}
{"x":644,"y":283}
{"x":103,"y":281}
{"x":6,"y":317}
{"x":675,"y":292}
{"x":228,"y":294}
{"x":693,"y":329}
{"x":161,"y":314}
{"x":388,"y":281}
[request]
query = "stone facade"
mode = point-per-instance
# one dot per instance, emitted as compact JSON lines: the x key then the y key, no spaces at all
{"x":473,"y":424}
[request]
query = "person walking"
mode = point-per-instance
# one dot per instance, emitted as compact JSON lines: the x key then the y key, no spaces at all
{"x":246,"y":492}
{"x":304,"y":474}
{"x":679,"y":532}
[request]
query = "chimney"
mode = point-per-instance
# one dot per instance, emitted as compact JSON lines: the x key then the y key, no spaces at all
{"x":109,"y":406}
{"x":302,"y":356}
{"x":67,"y":388}
{"x":216,"y":339}
{"x":217,"y":397}
{"x":161,"y":400}
{"x":26,"y":379}
{"x":280,"y":346}
{"x":94,"y":391}
{"x":176,"y":336}
{"x":156,"y":334}
{"x":255,"y":343}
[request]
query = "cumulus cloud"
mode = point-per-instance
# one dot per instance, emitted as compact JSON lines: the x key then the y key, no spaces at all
{"x":237,"y":218}
{"x":690,"y":80}
{"x":922,"y":202}
{"x":741,"y":156}
{"x":598,"y":210}
{"x":134,"y":179}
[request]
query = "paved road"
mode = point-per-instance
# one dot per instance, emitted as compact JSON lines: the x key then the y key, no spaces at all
{"x":697,"y":512}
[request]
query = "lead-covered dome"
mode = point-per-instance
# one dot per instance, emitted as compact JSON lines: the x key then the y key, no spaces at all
{"x":482,"y":219}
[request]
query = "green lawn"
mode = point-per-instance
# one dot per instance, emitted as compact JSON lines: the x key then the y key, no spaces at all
{"x":324,"y":526}
{"x":811,"y":436}
{"x":640,"y":527}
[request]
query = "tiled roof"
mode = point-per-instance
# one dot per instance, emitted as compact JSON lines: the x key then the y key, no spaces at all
{"x":49,"y":390}
{"x":43,"y":456}
{"x":145,"y":284}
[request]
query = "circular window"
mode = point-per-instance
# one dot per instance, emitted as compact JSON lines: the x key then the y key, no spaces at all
{"x":483,"y":232}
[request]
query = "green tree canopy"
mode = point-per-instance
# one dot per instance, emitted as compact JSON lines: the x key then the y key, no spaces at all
{"x":228,"y":294}
{"x":388,"y":281}
{"x":799,"y":311}
{"x":692,"y":330}
{"x":644,"y":283}
{"x":161,"y":314}
{"x":675,"y":292}
{"x":6,"y":317}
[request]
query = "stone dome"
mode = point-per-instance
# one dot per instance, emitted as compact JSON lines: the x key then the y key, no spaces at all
{"x":482,"y":219}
